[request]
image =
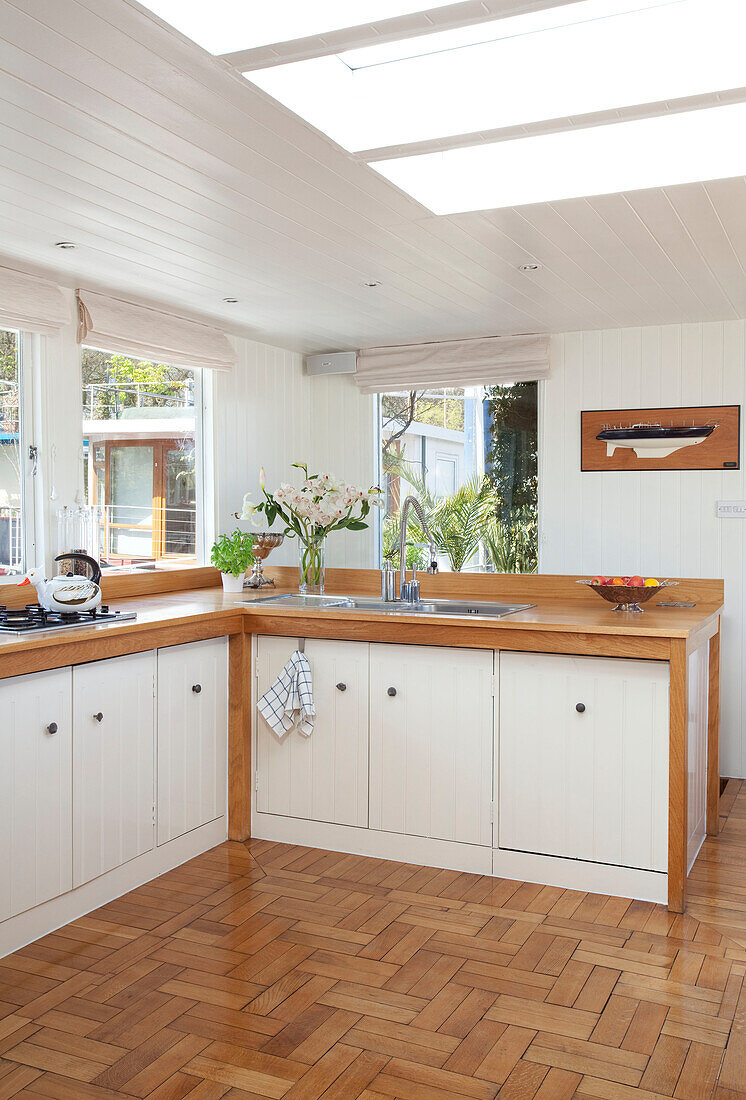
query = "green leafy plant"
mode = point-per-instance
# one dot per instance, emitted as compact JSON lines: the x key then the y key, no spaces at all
{"x":233,"y":553}
{"x":512,"y":545}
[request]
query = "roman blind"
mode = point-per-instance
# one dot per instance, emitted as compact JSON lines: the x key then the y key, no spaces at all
{"x":493,"y":360}
{"x":114,"y":324}
{"x":32,"y":304}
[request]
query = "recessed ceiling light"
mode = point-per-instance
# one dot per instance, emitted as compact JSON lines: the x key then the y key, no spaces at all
{"x":585,"y":67}
{"x":231,"y":301}
{"x":371,"y":282}
{"x":64,"y":244}
{"x":529,"y":267}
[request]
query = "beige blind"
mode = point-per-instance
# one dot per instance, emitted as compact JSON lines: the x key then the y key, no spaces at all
{"x":32,"y":304}
{"x":491,"y":361}
{"x":153,"y":334}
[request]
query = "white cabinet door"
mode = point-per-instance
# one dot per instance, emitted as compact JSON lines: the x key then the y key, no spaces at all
{"x":113,"y":750}
{"x":35,"y":789}
{"x":431,"y":741}
{"x":583,"y":758}
{"x":323,"y":777}
{"x":192,"y":735}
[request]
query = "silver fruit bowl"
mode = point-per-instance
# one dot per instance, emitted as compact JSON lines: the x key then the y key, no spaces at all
{"x":627,"y":597}
{"x":264,"y":544}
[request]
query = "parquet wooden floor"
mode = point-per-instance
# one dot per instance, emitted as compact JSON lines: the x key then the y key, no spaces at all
{"x":264,"y":970}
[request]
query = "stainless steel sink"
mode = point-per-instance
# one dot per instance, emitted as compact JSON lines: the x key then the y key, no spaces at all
{"x":397,"y":607}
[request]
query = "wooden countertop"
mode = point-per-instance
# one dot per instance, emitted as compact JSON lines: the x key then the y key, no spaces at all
{"x":168,"y":616}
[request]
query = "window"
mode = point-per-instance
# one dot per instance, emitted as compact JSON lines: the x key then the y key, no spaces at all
{"x":142,"y":429}
{"x":470,"y":457}
{"x":15,"y":517}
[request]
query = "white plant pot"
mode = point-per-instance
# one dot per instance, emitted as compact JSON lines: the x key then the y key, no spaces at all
{"x":231,"y":583}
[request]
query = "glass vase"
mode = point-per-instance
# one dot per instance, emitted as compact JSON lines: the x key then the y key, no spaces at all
{"x":311,"y":566}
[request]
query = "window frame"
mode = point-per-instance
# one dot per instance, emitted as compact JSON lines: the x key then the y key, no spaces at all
{"x":29,"y":462}
{"x":203,"y":484}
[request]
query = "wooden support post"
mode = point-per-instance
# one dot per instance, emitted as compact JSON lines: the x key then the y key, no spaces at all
{"x":239,"y":737}
{"x":678,"y":778}
{"x":713,"y":738}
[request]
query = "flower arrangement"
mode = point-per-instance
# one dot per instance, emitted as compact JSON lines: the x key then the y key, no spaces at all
{"x":232,"y":555}
{"x":321,"y":504}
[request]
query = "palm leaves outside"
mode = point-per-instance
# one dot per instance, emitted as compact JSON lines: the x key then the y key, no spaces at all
{"x":462,"y":522}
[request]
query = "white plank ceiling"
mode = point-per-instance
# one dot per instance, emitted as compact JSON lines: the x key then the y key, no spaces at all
{"x":182,"y":183}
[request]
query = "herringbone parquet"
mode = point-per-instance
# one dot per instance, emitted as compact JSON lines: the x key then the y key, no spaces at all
{"x":265,"y":970}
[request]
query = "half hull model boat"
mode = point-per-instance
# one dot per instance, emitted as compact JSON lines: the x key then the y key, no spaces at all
{"x":654,"y":440}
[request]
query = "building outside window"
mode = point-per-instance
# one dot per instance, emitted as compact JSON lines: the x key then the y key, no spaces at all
{"x":470,"y":456}
{"x":142,"y":431}
{"x":15,"y":510}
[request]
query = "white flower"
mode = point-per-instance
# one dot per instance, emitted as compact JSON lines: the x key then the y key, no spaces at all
{"x":249,"y":512}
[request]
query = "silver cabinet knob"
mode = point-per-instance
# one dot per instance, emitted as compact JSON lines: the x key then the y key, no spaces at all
{"x":99,"y":717}
{"x":52,"y":727}
{"x":391,"y":692}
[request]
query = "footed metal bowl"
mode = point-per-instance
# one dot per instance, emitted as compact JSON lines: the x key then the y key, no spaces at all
{"x":627,"y":597}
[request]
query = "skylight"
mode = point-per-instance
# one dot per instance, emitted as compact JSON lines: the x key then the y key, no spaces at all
{"x":225,"y":26}
{"x":626,"y":156}
{"x":522,"y":74}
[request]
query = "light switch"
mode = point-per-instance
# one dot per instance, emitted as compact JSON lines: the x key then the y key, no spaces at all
{"x":731,"y":509}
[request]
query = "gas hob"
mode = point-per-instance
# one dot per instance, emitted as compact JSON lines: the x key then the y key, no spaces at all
{"x":33,"y":617}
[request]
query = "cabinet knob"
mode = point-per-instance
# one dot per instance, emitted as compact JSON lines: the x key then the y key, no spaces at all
{"x":196,"y":688}
{"x":341,"y":687}
{"x":391,"y":692}
{"x":580,"y":707}
{"x":52,"y":727}
{"x":99,"y":717}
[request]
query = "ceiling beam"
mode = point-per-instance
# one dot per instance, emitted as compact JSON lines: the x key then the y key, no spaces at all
{"x":555,"y":125}
{"x":462,"y":14}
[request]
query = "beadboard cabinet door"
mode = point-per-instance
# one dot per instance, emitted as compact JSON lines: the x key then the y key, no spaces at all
{"x":583,"y":758}
{"x":192,"y":735}
{"x":323,"y":777}
{"x":113,"y":763}
{"x":35,"y":789}
{"x":431,"y":742}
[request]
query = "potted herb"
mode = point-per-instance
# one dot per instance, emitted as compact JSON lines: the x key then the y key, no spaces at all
{"x":232,"y":555}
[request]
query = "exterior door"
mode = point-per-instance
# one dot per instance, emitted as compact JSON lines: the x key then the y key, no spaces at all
{"x":35,"y":789}
{"x":323,"y":777}
{"x":113,"y":774}
{"x":192,"y":735}
{"x":583,"y":758}
{"x":431,"y":742}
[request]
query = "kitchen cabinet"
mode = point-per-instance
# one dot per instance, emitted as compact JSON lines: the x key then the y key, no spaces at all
{"x":323,"y":777}
{"x":35,"y":789}
{"x":431,"y":742}
{"x":113,"y":763}
{"x":192,"y":735}
{"x":582,"y":766}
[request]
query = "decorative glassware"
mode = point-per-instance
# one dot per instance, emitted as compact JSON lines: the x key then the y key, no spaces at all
{"x":311,"y":565}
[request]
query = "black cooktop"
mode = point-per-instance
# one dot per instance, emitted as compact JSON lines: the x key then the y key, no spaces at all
{"x":32,"y":617}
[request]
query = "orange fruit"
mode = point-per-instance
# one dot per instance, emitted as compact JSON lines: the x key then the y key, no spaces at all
{"x":617,"y":580}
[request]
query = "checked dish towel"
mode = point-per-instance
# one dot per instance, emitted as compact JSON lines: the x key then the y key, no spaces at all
{"x":288,"y":703}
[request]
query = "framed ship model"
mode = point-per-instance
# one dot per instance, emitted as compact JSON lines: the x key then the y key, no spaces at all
{"x":703,"y":437}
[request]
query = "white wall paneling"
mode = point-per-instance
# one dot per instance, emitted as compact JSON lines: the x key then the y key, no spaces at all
{"x":35,"y":789}
{"x":592,"y":784}
{"x":431,"y":742}
{"x":113,"y":763}
{"x":269,"y":413}
{"x":192,"y":735}
{"x":656,"y":523}
{"x":323,"y":777}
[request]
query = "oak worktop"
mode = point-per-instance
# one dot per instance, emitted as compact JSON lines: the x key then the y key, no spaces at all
{"x":228,"y":611}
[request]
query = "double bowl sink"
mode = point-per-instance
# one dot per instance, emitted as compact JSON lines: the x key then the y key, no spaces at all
{"x":299,"y":602}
